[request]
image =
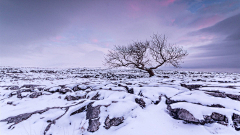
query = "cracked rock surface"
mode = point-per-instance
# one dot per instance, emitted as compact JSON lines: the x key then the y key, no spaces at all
{"x":102,"y":101}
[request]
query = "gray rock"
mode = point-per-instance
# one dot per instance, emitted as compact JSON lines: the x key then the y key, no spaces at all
{"x":64,"y":90}
{"x":186,"y":116}
{"x":92,"y":112}
{"x":236,"y":121}
{"x":183,"y":114}
{"x":17,"y":119}
{"x":158,"y":101}
{"x":113,"y":122}
{"x":93,"y":125}
{"x":93,"y":116}
{"x":169,"y":101}
{"x":208,"y":119}
{"x":234,"y":97}
{"x":35,"y":94}
{"x":70,"y":98}
{"x":12,"y":94}
{"x":13,"y":88}
{"x":95,"y":97}
{"x":9,"y":102}
{"x":82,"y":109}
{"x":129,"y":90}
{"x":32,"y":86}
{"x":217,"y":105}
{"x":75,"y":88}
{"x":141,"y":102}
{"x":217,"y":116}
{"x":19,"y":94}
{"x":79,"y":87}
{"x":216,"y":94}
{"x":192,"y":86}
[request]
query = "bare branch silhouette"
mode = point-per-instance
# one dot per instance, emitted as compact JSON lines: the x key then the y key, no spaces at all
{"x":147,"y":55}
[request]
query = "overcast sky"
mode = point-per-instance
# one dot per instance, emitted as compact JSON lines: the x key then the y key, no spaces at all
{"x":77,"y":33}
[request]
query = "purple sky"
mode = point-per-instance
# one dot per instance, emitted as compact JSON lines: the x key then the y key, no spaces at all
{"x":77,"y":33}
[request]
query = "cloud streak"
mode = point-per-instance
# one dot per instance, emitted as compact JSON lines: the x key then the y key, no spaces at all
{"x":224,"y":50}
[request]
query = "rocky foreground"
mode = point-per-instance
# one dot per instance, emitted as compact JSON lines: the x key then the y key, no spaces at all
{"x":37,"y":101}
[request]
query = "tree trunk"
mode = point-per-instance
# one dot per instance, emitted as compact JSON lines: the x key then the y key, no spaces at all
{"x":151,"y":73}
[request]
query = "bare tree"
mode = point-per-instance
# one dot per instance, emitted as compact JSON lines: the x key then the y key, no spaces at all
{"x":147,"y":55}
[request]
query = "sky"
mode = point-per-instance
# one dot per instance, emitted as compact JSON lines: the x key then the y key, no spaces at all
{"x":79,"y":33}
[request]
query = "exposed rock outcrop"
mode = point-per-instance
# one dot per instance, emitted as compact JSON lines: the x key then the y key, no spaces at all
{"x":93,"y":117}
{"x":141,"y":102}
{"x":113,"y":122}
{"x":70,"y":98}
{"x":236,"y":121}
{"x":35,"y":94}
{"x":183,"y":114}
{"x":191,"y":86}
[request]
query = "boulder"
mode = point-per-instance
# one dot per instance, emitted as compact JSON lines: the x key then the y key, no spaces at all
{"x":17,"y":119}
{"x":186,"y":116}
{"x":216,"y":94}
{"x":113,"y":122}
{"x":19,"y":95}
{"x":222,"y":119}
{"x":93,"y":125}
{"x":129,"y":90}
{"x":35,"y":94}
{"x":191,"y":86}
{"x":236,"y":121}
{"x":234,"y":97}
{"x":82,"y":109}
{"x":141,"y":102}
{"x":208,"y":119}
{"x":217,"y":105}
{"x":75,"y":88}
{"x":9,"y":102}
{"x":31,"y":86}
{"x":93,"y":116}
{"x":64,"y":90}
{"x":95,"y":97}
{"x":183,"y":114}
{"x":158,"y":101}
{"x":13,"y":88}
{"x":169,"y":101}
{"x":92,"y":112}
{"x":70,"y":98}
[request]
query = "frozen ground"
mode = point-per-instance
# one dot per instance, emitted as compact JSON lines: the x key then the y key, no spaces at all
{"x":36,"y":101}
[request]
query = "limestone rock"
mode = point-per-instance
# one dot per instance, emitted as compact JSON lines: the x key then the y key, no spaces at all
{"x":35,"y":94}
{"x":190,"y":87}
{"x":93,"y":125}
{"x":236,"y":121}
{"x":219,"y":117}
{"x":141,"y":102}
{"x":183,"y":114}
{"x":70,"y":98}
{"x":113,"y":122}
{"x":216,"y":94}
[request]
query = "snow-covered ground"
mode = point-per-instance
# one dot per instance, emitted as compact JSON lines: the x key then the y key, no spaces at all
{"x":38,"y":101}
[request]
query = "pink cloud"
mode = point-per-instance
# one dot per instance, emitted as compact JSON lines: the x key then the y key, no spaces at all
{"x":172,"y":21}
{"x":166,"y":2}
{"x":95,"y":40}
{"x":134,"y":6}
{"x":57,"y":39}
{"x":134,"y":9}
{"x":206,"y":22}
{"x":107,"y":44}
